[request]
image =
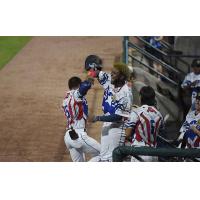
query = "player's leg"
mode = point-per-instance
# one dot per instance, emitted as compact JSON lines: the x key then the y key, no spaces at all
{"x":105,"y":143}
{"x":95,"y":159}
{"x":90,"y":145}
{"x":116,"y":137}
{"x":77,"y":155}
{"x":74,"y":147}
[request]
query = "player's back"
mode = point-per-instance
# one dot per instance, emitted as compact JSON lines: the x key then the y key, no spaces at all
{"x":149,"y":123}
{"x":76,"y":110}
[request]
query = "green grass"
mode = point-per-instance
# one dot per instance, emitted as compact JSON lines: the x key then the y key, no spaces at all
{"x":10,"y":46}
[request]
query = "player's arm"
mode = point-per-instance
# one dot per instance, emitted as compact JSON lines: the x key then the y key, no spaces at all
{"x":107,"y":118}
{"x":64,"y":104}
{"x":187,"y":83}
{"x":195,"y":130}
{"x":104,"y":79}
{"x":122,"y":112}
{"x":131,"y":124}
{"x":83,"y":89}
{"x":183,"y":129}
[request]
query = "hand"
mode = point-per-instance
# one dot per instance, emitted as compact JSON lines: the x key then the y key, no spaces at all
{"x":92,"y":73}
{"x":93,"y":119}
{"x":193,"y":84}
{"x":193,"y":128}
{"x":90,"y":79}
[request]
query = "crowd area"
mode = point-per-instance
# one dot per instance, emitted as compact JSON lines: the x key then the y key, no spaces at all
{"x":124,"y":123}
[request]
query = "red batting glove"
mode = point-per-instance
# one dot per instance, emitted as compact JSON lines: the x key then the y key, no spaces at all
{"x":92,"y":73}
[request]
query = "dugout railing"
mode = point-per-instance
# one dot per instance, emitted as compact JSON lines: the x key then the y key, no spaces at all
{"x":127,"y":44}
{"x":121,"y":152}
{"x":172,"y":56}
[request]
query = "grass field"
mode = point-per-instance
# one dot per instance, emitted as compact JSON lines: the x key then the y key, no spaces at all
{"x":10,"y":46}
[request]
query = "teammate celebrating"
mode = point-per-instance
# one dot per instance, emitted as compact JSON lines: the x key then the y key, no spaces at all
{"x":190,"y":130}
{"x":116,"y":105}
{"x":145,"y":122}
{"x":76,"y":111}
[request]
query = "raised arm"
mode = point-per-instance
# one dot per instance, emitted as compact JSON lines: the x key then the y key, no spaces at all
{"x":83,"y":89}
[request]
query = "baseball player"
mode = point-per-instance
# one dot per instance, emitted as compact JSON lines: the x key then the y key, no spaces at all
{"x":145,"y":122}
{"x":116,"y":106}
{"x":76,"y":111}
{"x":190,"y":130}
{"x":192,"y":81}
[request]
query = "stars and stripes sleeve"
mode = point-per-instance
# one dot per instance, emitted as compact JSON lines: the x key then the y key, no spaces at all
{"x":104,"y":79}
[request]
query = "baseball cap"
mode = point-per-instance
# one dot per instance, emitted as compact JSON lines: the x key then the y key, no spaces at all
{"x":196,"y":63}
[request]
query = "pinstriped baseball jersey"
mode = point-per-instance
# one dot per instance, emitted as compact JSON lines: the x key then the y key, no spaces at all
{"x":76,"y":109}
{"x":146,"y":122}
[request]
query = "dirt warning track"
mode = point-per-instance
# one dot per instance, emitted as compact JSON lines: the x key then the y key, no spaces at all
{"x":32,"y":86}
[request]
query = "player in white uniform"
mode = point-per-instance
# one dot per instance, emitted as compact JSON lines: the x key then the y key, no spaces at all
{"x":145,"y":122}
{"x":117,"y":101}
{"x":192,"y":81}
{"x":190,"y":130}
{"x":76,"y":111}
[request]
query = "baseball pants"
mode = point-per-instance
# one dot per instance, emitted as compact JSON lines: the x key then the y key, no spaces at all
{"x":110,"y":139}
{"x":84,"y":144}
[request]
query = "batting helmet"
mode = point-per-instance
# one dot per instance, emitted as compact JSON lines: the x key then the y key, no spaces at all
{"x":93,"y":62}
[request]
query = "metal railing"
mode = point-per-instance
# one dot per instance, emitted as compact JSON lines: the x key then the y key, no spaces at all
{"x":144,"y":52}
{"x":170,"y":53}
{"x":152,"y":69}
{"x":148,"y":44}
{"x":175,"y":54}
{"x":127,"y":44}
{"x":177,"y":57}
